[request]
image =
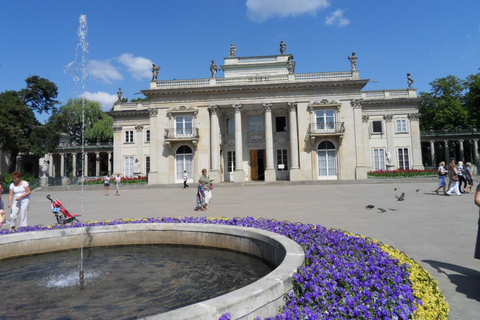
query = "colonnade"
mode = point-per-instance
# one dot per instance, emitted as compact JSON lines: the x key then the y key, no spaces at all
{"x":447,"y":144}
{"x":270,"y":172}
{"x":72,"y":171}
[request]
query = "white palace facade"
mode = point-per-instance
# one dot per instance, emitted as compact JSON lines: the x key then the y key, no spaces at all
{"x":262,"y":121}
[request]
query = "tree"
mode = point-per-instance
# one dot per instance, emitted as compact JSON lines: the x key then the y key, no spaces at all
{"x":444,"y":106}
{"x":20,"y":131}
{"x":68,"y":119}
{"x":472,"y":98}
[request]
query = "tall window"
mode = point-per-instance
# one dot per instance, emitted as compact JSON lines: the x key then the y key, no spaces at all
{"x":231,"y":125}
{"x":183,"y":161}
{"x":281,"y":124}
{"x":282,"y":160}
{"x":325,"y":119}
{"x":230,"y":161}
{"x":402,"y":125}
{"x":128,"y":166}
{"x":183,"y":126}
{"x":255,"y":125}
{"x":129,"y":136}
{"x":379,"y":159}
{"x":377,"y":127}
{"x":147,"y":165}
{"x":327,"y":160}
{"x":147,"y":136}
{"x":403,"y":162}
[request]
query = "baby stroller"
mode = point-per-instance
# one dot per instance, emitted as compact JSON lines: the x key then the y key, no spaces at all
{"x":61,"y":213}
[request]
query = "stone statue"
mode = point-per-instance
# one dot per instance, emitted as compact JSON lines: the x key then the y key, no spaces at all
{"x":353,"y":61}
{"x":155,"y":71}
{"x":233,"y":50}
{"x":388,"y":155}
{"x":410,"y":80}
{"x":290,"y":64}
{"x":214,"y":68}
{"x":136,"y":167}
{"x":283,"y":47}
{"x":44,"y":168}
{"x":119,"y":94}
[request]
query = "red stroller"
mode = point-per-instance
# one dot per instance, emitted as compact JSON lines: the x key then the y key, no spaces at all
{"x":61,"y":213}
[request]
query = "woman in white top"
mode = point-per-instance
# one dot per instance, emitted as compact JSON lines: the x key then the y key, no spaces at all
{"x":19,"y":200}
{"x":118,"y":179}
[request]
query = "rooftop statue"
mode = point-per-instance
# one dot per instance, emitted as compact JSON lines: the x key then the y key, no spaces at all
{"x":214,"y":68}
{"x":410,"y":80}
{"x":283,"y":47}
{"x":155,"y":70}
{"x":290,"y":64}
{"x":119,"y":95}
{"x":353,"y":61}
{"x":233,"y":50}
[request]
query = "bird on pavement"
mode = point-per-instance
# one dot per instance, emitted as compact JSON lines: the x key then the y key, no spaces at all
{"x":370,"y":206}
{"x":382,"y":210}
{"x":401,"y":198}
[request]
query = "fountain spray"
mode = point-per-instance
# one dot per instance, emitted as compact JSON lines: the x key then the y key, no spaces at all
{"x":79,"y":71}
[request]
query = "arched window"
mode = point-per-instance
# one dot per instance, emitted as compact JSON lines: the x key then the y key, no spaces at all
{"x":327,"y":160}
{"x":184,"y":161}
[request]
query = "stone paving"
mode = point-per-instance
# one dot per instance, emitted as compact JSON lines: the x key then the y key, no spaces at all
{"x":439,"y":232}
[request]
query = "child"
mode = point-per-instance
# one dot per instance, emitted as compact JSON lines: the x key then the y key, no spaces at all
{"x":2,"y":212}
{"x":185,"y":178}
{"x":200,"y":196}
{"x":106,"y":185}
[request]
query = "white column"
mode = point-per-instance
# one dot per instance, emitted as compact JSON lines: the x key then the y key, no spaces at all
{"x":294,"y":167}
{"x":153,"y":177}
{"x":74,"y":164}
{"x":462,"y":155}
{"x":432,"y":153}
{"x":62,"y":165}
{"x":110,"y":163}
{"x":97,"y":164}
{"x":139,"y":142}
{"x":475,"y":151}
{"x":117,"y":149}
{"x":85,"y":170}
{"x":270,"y":173}
{"x":239,"y":174}
{"x":447,"y":153}
{"x":214,"y":143}
{"x":50,"y":165}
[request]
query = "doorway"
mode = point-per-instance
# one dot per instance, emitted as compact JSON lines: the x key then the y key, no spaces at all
{"x":257,"y":165}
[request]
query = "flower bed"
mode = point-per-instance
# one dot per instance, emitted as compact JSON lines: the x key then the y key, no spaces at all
{"x":112,"y":180}
{"x":400,"y":173}
{"x":344,"y":276}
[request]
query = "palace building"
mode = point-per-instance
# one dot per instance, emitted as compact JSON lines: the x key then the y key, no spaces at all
{"x":263,"y":121}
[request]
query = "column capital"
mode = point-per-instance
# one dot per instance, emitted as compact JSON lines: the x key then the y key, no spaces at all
{"x":356,"y":103}
{"x":446,"y":142}
{"x":153,"y":112}
{"x":213,"y":109}
{"x":292,"y":106}
{"x":461,"y":140}
{"x":388,"y":117}
{"x":365,"y":118}
{"x":238,"y":108}
{"x":267,"y":106}
{"x":117,"y":129}
{"x":432,"y":141}
{"x":139,"y":128}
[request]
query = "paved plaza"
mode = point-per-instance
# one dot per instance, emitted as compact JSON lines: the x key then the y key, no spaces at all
{"x":439,"y":232}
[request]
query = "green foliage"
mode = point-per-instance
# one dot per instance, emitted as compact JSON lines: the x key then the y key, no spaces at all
{"x":472,"y":98}
{"x":140,"y":99}
{"x":69,"y":118}
{"x":40,"y":94}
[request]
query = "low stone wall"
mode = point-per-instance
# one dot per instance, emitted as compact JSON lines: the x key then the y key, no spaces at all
{"x":261,"y":298}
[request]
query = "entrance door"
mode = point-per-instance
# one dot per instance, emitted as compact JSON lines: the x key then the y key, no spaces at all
{"x":327,"y":160}
{"x":257,"y":165}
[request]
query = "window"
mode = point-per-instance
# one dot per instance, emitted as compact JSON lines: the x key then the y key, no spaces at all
{"x":231,"y":125}
{"x":327,"y":160}
{"x":281,"y":124}
{"x":379,"y":159}
{"x":230,"y":161}
{"x":147,"y":165}
{"x":128,"y":167}
{"x":401,"y":125}
{"x":147,"y":136}
{"x":377,"y":127}
{"x":325,"y":119}
{"x":183,"y":161}
{"x":129,"y":136}
{"x":256,"y":125}
{"x":403,"y":162}
{"x":183,"y":126}
{"x":282,"y":160}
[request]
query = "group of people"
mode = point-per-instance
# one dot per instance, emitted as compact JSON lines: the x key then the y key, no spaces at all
{"x":457,"y":175}
{"x":106,"y":184}
{"x":204,"y":192}
{"x":18,"y":201}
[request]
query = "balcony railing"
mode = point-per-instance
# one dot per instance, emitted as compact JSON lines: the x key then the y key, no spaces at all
{"x":181,"y":134}
{"x":327,"y":128}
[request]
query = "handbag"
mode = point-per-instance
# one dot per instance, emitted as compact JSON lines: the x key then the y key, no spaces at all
{"x":454,"y":177}
{"x":211,"y":186}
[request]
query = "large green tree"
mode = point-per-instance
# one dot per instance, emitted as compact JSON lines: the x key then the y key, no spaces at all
{"x":20,"y":131}
{"x":472,"y":98}
{"x":70,"y":117}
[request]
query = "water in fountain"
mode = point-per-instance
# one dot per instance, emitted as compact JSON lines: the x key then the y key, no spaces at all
{"x":125,"y":282}
{"x":78,"y":69}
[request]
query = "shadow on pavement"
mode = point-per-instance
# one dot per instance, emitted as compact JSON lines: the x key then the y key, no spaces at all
{"x":467,"y":280}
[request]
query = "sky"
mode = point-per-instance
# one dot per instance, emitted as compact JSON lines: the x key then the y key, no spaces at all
{"x":428,"y":39}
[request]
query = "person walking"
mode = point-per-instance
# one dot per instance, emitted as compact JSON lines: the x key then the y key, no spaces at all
{"x":453,"y":174}
{"x":477,"y":244}
{"x":442,"y":182}
{"x":468,"y":177}
{"x":185,"y":179}
{"x":19,"y":200}
{"x":208,"y":188}
{"x":200,"y":196}
{"x":106,"y":185}
{"x":118,"y":179}
{"x":461,"y":177}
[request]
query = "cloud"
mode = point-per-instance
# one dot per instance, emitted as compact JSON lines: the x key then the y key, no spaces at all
{"x":139,"y":67}
{"x":105,"y":99}
{"x":103,"y":71}
{"x":261,"y":10}
{"x":337,"y":19}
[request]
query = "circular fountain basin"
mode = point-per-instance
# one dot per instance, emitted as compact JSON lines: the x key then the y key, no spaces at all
{"x":261,"y":298}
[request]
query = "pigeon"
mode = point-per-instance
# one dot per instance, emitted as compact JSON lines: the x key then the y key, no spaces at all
{"x":395,"y":189}
{"x":417,"y":190}
{"x":401,"y":198}
{"x":370,"y":206}
{"x":382,"y":210}
{"x":392,"y":209}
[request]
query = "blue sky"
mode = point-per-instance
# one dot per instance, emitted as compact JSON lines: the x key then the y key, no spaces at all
{"x":429,"y":39}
